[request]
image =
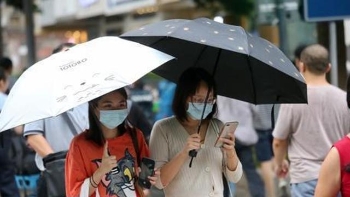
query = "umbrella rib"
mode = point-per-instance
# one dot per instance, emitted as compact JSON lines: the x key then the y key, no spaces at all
{"x":250,"y":67}
{"x":159,"y":40}
{"x":200,"y":55}
{"x":217,"y":62}
{"x":252,"y":78}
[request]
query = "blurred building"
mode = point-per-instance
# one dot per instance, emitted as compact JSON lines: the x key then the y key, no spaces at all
{"x":296,"y":27}
{"x":81,"y":20}
{"x":13,"y":32}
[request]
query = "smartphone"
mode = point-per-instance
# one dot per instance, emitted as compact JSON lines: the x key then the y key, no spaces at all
{"x":147,"y":169}
{"x":229,"y":127}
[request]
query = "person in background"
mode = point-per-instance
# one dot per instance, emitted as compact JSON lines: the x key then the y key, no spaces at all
{"x":143,"y":97}
{"x":4,"y":83}
{"x":334,"y":177}
{"x":138,"y":118}
{"x":104,"y":159}
{"x":246,"y":137}
{"x":51,"y":137}
{"x":8,"y":187}
{"x":307,"y":131}
{"x":263,"y":148}
{"x":166,"y":91}
{"x":297,"y":54}
{"x":174,"y":137}
{"x":7,"y":65}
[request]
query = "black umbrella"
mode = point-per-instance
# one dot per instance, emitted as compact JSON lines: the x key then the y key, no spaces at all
{"x":245,"y":67}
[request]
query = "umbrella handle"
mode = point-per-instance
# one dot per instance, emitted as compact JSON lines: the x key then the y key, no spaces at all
{"x":192,"y":154}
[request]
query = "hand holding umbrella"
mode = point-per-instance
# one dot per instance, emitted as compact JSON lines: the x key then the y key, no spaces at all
{"x":193,"y":143}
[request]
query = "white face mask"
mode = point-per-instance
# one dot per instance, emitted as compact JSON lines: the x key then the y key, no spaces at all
{"x":195,"y":110}
{"x":112,"y":118}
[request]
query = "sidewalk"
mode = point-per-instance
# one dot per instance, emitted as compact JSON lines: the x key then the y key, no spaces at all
{"x":242,"y":189}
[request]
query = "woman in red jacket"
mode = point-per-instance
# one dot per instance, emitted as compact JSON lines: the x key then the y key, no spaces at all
{"x":103,"y":160}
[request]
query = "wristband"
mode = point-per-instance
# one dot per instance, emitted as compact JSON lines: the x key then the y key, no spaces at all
{"x":92,"y":182}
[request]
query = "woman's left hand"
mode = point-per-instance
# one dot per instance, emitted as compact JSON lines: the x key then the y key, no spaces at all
{"x":153,"y":179}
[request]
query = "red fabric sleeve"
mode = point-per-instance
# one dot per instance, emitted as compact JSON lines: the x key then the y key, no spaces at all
{"x":75,"y":172}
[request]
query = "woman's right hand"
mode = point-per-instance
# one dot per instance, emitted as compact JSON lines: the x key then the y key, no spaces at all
{"x":193,"y":142}
{"x":108,"y":162}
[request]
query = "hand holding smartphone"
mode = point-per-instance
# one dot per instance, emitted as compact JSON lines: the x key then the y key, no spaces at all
{"x":147,"y":169}
{"x":229,"y":128}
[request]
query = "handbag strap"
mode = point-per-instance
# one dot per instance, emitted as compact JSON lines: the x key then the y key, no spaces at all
{"x":133,"y":135}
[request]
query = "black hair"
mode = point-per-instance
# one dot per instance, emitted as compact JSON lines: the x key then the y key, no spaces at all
{"x":187,"y":86}
{"x":62,"y":46}
{"x":299,"y":49}
{"x":3,"y":75}
{"x":6,"y":63}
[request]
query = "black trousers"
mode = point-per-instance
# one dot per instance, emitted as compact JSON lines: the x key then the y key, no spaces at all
{"x":8,"y":186}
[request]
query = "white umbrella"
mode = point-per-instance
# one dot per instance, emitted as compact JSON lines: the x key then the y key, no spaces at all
{"x":78,"y":75}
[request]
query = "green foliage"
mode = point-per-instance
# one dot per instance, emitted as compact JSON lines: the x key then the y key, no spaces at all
{"x":235,"y":7}
{"x":239,"y":7}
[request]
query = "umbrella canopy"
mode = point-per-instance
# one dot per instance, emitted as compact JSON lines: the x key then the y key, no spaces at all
{"x":78,"y":75}
{"x":245,"y":67}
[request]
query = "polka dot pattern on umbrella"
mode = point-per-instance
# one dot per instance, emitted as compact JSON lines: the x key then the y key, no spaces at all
{"x":241,"y":50}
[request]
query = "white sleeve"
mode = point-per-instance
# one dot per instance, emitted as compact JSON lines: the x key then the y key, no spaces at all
{"x":84,"y":190}
{"x":236,"y":175}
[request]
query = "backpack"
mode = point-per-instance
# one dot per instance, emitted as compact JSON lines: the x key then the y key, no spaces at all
{"x":22,"y":156}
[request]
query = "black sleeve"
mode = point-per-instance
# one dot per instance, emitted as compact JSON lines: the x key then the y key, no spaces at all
{"x":138,"y":119}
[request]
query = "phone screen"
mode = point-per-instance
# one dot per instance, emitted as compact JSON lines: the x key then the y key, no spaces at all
{"x":146,"y":170}
{"x":229,"y":127}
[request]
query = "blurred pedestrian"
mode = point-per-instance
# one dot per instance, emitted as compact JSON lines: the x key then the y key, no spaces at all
{"x":246,"y":137}
{"x":308,"y":131}
{"x":7,"y":65}
{"x":334,"y":177}
{"x":263,"y":148}
{"x":104,"y":159}
{"x":8,"y":187}
{"x":138,"y":119}
{"x":297,"y":54}
{"x":143,"y":97}
{"x":173,"y":138}
{"x":50,"y":138}
{"x":166,"y":91}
